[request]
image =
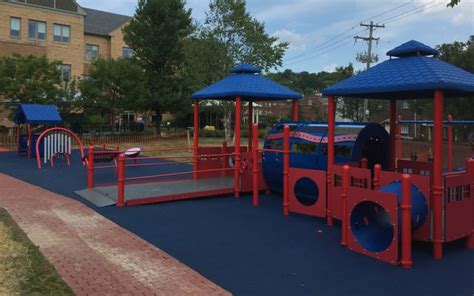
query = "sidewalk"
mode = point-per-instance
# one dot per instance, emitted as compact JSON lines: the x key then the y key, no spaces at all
{"x":92,"y":254}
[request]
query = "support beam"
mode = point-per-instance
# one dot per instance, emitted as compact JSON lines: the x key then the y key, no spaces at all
{"x":237,"y":148}
{"x":437,"y":179}
{"x":330,"y":143}
{"x":250,"y":124}
{"x":196,"y":138}
{"x":393,"y":112}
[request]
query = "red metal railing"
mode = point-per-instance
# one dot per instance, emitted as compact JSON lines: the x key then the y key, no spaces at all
{"x":286,"y":166}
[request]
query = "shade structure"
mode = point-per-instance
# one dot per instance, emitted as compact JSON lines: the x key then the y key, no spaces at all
{"x":248,"y":84}
{"x":410,"y":73}
{"x":37,"y":114}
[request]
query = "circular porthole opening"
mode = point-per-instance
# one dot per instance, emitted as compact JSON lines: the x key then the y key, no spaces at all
{"x":371,"y":226}
{"x":306,"y":191}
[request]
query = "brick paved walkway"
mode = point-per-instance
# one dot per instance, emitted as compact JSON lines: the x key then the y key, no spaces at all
{"x":93,"y":255}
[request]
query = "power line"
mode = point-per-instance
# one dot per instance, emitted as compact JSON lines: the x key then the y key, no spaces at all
{"x":322,"y":53}
{"x":387,"y":12}
{"x":328,"y":44}
{"x":414,"y":10}
{"x":413,"y":13}
{"x":309,"y":51}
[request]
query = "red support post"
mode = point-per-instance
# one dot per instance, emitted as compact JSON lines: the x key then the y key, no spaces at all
{"x":295,"y":110}
{"x":286,"y":169}
{"x":399,"y":136}
{"x":255,"y":170}
{"x":30,"y":144}
{"x":393,"y":111}
{"x":450,"y":144}
{"x":90,"y":167}
{"x":196,"y":139}
{"x":121,"y":181}
{"x":364,"y":163}
{"x":376,"y":180}
{"x":346,"y":176}
{"x":437,"y":177}
{"x":237,"y":148}
{"x":250,"y":125}
{"x":330,"y":143}
{"x":406,"y":258}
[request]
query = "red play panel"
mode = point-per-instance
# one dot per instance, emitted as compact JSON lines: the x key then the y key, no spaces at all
{"x":373,"y":224}
{"x":360,"y":178}
{"x":459,"y":206}
{"x":300,"y":206}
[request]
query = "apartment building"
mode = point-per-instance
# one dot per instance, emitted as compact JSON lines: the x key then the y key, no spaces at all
{"x":62,"y":30}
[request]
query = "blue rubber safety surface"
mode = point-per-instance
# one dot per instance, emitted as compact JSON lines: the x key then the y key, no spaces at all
{"x":257,"y":251}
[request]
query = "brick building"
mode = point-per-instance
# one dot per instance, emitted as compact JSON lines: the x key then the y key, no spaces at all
{"x":62,"y":30}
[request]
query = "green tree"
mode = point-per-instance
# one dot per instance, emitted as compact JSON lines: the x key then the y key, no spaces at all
{"x":241,"y":39}
{"x":157,"y":34}
{"x":113,"y":86}
{"x":453,"y":3}
{"x":29,"y":79}
{"x":460,"y":54}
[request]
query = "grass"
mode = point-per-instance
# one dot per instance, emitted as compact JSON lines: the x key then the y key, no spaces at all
{"x":23,"y":269}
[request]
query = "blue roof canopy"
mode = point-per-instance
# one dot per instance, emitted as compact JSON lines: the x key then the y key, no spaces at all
{"x":248,"y":84}
{"x":412,"y":76}
{"x":37,"y":114}
{"x":411,"y":48}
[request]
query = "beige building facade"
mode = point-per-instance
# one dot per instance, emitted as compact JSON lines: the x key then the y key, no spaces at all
{"x":63,"y":31}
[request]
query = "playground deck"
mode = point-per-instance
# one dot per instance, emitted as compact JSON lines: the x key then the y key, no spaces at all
{"x":160,"y":192}
{"x":255,"y":251}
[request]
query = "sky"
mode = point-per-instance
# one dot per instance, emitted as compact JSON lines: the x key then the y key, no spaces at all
{"x":321,"y":33}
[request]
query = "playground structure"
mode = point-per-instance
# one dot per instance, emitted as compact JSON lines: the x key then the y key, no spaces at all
{"x":384,"y":202}
{"x":52,"y":143}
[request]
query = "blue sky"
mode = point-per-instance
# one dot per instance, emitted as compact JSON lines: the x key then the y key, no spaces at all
{"x":321,"y":32}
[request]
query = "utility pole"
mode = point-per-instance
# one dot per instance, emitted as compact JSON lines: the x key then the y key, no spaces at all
{"x":369,"y":40}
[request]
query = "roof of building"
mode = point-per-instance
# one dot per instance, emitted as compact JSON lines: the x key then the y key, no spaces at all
{"x":37,"y":114}
{"x":247,"y":83}
{"x":412,"y":75}
{"x":102,"y":23}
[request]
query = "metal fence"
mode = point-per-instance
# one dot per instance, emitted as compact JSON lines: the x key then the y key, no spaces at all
{"x":9,"y":142}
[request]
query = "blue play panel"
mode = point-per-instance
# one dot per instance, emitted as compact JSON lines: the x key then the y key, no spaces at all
{"x":257,"y":251}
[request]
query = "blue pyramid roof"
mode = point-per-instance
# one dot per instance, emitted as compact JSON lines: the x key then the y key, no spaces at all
{"x":410,"y":48}
{"x":248,"y":85}
{"x":37,"y":114}
{"x":408,"y":77}
{"x":245,"y":68}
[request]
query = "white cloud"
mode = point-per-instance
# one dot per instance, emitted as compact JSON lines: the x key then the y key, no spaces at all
{"x":330,"y":68}
{"x":297,"y":41}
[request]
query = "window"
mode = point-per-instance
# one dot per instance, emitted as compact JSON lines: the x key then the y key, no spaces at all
{"x":127,"y":52}
{"x":92,"y":52}
{"x":37,"y":30}
{"x":61,"y":33}
{"x":343,"y":150}
{"x":405,"y":129}
{"x":65,"y":71}
{"x":405,"y":105}
{"x":304,"y":148}
{"x":15,"y":27}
